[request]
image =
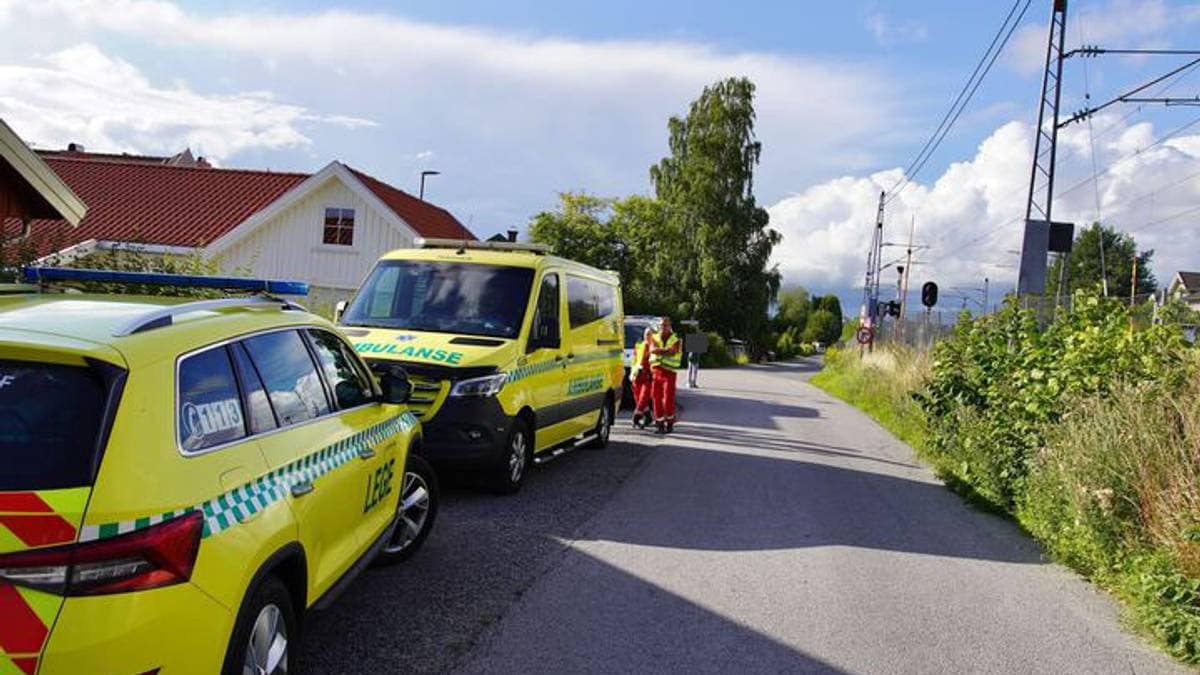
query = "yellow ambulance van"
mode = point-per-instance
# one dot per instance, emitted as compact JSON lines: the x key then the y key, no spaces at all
{"x":514,"y":354}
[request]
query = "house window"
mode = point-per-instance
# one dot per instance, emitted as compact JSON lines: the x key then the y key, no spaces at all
{"x":339,"y":227}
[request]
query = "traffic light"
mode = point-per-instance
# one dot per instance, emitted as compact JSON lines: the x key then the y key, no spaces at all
{"x":893,"y":308}
{"x":929,"y":293}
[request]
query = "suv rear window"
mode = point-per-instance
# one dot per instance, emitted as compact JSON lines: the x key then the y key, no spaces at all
{"x":50,"y":417}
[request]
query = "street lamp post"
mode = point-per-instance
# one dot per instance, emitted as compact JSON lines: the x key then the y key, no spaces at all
{"x":423,"y":175}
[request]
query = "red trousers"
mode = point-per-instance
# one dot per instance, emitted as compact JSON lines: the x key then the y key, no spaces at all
{"x":664,"y":394}
{"x":642,"y":393}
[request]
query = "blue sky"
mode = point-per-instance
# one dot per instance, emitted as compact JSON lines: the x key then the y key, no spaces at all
{"x":517,"y":101}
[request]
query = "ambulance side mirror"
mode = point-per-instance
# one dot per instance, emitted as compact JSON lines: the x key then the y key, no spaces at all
{"x":396,"y":388}
{"x":338,"y":310}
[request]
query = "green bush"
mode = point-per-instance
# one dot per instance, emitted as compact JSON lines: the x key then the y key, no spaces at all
{"x":718,"y":355}
{"x":999,"y":383}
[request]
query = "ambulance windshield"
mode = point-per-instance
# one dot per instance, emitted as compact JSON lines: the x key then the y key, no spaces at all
{"x":443,"y":297}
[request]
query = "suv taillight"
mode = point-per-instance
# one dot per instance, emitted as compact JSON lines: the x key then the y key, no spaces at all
{"x":157,"y":556}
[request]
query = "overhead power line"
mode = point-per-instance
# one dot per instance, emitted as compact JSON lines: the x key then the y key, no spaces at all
{"x":982,"y":67}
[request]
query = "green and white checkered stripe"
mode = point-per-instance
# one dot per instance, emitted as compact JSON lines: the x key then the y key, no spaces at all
{"x":546,"y":366}
{"x":233,"y":507}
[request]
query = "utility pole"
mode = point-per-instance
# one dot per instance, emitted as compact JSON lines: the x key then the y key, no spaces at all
{"x":1045,"y":151}
{"x":912,"y":226}
{"x":870,"y":306}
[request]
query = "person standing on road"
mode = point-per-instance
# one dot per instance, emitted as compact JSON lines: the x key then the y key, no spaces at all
{"x":665,"y":359}
{"x":640,"y":380}
{"x":693,"y":361}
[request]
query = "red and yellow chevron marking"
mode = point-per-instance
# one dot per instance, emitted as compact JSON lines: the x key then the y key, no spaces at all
{"x":25,"y":616}
{"x":40,"y":518}
{"x":32,"y":519}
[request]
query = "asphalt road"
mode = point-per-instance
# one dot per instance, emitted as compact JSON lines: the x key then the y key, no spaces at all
{"x":778,"y":530}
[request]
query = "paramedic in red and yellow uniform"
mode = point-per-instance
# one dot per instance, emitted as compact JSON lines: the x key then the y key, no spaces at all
{"x":665,"y":359}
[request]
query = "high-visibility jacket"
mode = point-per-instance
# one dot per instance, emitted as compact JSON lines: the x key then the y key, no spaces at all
{"x":673,"y":361}
{"x":640,"y":354}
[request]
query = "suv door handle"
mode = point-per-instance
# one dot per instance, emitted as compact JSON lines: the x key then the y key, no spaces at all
{"x":302,"y":488}
{"x":367,"y":452}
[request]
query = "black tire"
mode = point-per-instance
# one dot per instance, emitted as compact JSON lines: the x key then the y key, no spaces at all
{"x":508,"y":476}
{"x":415,"y":521}
{"x":603,"y":426}
{"x":269,"y":593}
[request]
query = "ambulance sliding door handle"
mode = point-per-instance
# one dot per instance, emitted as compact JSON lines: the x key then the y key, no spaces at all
{"x":302,"y":488}
{"x":367,"y":452}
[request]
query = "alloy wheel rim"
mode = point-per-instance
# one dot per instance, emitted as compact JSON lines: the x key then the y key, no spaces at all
{"x":516,"y":457}
{"x":266,"y":650}
{"x":412,"y":512}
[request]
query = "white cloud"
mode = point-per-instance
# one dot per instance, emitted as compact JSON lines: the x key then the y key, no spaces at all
{"x":81,"y":94}
{"x":889,"y":32}
{"x":536,"y":94}
{"x":972,"y":214}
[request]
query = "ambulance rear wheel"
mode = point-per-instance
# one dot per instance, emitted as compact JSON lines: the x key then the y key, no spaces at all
{"x":508,"y":476}
{"x":265,"y":625}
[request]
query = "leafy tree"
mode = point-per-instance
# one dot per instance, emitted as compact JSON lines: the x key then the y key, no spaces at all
{"x":793,"y":308}
{"x":580,"y":226}
{"x":1120,"y":249}
{"x":823,"y":327}
{"x":632,"y":236}
{"x":831,"y":303}
{"x":707,"y":185}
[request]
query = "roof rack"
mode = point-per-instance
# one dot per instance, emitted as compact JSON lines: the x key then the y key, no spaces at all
{"x":41,"y":275}
{"x":165,"y":316}
{"x":463,"y":244}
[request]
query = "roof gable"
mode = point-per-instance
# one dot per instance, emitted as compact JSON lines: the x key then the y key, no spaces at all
{"x":44,"y":192}
{"x":1190,"y":281}
{"x":161,"y":204}
{"x":432,"y":222}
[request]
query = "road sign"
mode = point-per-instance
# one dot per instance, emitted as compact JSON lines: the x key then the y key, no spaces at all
{"x":864,"y":335}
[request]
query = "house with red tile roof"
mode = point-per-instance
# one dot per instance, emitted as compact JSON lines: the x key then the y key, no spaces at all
{"x":326,"y":228}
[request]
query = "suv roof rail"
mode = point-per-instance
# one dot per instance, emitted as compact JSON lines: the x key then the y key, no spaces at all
{"x":165,"y":316}
{"x":41,"y":275}
{"x":463,"y":244}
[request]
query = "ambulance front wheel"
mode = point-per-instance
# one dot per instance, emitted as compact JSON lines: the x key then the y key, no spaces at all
{"x":603,"y":426}
{"x":509,"y":473}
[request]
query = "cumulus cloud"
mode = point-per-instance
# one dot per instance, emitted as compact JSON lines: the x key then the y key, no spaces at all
{"x":521,"y":116}
{"x":82,"y":94}
{"x":972,"y":215}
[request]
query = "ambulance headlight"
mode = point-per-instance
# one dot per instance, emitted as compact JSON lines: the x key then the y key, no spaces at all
{"x":489,"y":385}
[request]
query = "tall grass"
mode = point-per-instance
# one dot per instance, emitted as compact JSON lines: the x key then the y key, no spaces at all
{"x":881,"y":384}
{"x":1115,"y":494}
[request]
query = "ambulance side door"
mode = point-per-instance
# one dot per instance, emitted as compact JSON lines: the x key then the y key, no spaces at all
{"x":544,"y":370}
{"x":585,"y":370}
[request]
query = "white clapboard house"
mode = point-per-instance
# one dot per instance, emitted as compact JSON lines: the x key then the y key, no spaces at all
{"x":325,"y":228}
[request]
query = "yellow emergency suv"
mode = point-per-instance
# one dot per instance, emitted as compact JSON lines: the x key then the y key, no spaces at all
{"x":514,"y":354}
{"x":180,"y":481}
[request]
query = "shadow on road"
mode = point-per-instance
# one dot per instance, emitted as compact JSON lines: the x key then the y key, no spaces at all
{"x":748,"y":438}
{"x":760,"y":503}
{"x":604,"y":620}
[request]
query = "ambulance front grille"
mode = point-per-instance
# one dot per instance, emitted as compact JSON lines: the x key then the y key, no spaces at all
{"x":427,"y":395}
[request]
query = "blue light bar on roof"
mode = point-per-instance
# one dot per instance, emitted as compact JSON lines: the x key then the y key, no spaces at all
{"x":36,"y":275}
